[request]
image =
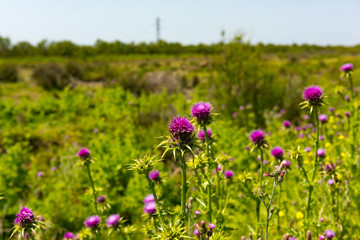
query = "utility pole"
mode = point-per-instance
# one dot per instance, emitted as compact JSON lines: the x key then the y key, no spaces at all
{"x":157,"y":29}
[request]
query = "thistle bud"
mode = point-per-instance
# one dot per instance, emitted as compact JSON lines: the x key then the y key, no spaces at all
{"x":308,"y":235}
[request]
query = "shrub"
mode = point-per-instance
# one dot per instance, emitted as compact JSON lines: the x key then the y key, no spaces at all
{"x":50,"y":76}
{"x":9,"y":73}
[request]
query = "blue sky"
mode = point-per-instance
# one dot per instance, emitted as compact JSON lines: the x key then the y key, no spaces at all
{"x":190,"y":22}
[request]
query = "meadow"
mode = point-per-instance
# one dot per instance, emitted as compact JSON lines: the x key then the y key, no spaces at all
{"x":178,"y":142}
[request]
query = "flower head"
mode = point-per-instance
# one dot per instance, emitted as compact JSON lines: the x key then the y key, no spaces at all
{"x":313,"y":95}
{"x":229,"y":174}
{"x":321,"y":237}
{"x":286,"y":124}
{"x":40,"y":174}
{"x":347,"y":67}
{"x":197,"y":212}
{"x":112,"y":220}
{"x":101,"y":199}
{"x":329,"y":234}
{"x":196,"y":232}
{"x":331,"y":109}
{"x":69,"y":235}
{"x":92,"y":222}
{"x":323,"y":118}
{"x":84,"y":153}
{"x":181,"y":129}
{"x":202,"y":111}
{"x":321,"y":152}
{"x":211,"y":225}
{"x":149,"y":198}
{"x":154,"y":175}
{"x":25,"y":218}
{"x":277,"y":152}
{"x":347,"y":114}
{"x":329,"y":167}
{"x":201,"y":134}
{"x":331,"y":181}
{"x":257,"y":137}
{"x":150,"y":208}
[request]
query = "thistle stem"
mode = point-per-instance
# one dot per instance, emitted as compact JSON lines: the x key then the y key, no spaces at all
{"x":93,"y":188}
{"x":183,"y":190}
{"x":209,"y":165}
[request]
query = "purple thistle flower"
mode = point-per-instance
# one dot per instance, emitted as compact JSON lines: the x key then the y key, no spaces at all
{"x":53,"y":169}
{"x":347,"y":114}
{"x":303,"y":128}
{"x":229,"y":174}
{"x":181,"y":129}
{"x":347,"y":67}
{"x":286,"y":163}
{"x":277,"y":152}
{"x":310,"y":125}
{"x":293,"y":238}
{"x":321,"y":137}
{"x":196,"y":232}
{"x":286,"y":124}
{"x":92,"y":222}
{"x":329,"y":167}
{"x":329,"y":234}
{"x":235,"y":114}
{"x":26,"y":236}
{"x":211,"y":225}
{"x":301,"y":135}
{"x":201,"y":111}
{"x":150,"y":208}
{"x":84,"y":153}
{"x":323,"y":118}
{"x":201,"y":134}
{"x":241,"y":107}
{"x":282,"y":111}
{"x":298,"y":129}
{"x":307,"y":149}
{"x":313,"y":94}
{"x":197,"y":212}
{"x":331,"y":109}
{"x":257,"y":136}
{"x":321,"y":152}
{"x":306,"y":117}
{"x":149,"y":198}
{"x":25,"y":218}
{"x":247,"y":148}
{"x":331,"y":181}
{"x":101,"y":199}
{"x":40,"y":174}
{"x":69,"y":235}
{"x":321,"y":237}
{"x":347,"y":98}
{"x":112,"y":220}
{"x":154,"y":175}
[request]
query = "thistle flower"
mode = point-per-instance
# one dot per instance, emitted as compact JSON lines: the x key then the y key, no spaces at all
{"x":181,"y":129}
{"x":306,"y":117}
{"x":277,"y":152}
{"x":286,"y":124}
{"x":149,"y":198}
{"x":313,"y":95}
{"x":301,"y":135}
{"x":347,"y":98}
{"x":25,"y":218}
{"x":197,"y":212}
{"x":150,"y":208}
{"x":347,"y":67}
{"x":321,"y":137}
{"x":331,"y":109}
{"x":84,"y":153}
{"x":92,"y":222}
{"x":154,"y":175}
{"x":40,"y":174}
{"x":69,"y":235}
{"x":293,"y":238}
{"x":113,"y":220}
{"x":285,"y":163}
{"x":329,"y":167}
{"x":307,"y":149}
{"x":329,"y":234}
{"x":229,"y":174}
{"x":202,"y":112}
{"x":321,"y":152}
{"x":321,"y":237}
{"x":53,"y":169}
{"x":257,"y":137}
{"x":331,"y":181}
{"x":201,"y":134}
{"x":347,"y":114}
{"x":101,"y":199}
{"x":323,"y":118}
{"x":211,"y":225}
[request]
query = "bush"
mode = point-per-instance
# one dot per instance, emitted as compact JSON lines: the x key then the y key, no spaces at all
{"x":8,"y":73}
{"x":50,"y":76}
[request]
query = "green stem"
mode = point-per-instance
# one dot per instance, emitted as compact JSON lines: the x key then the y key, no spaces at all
{"x":354,"y":115}
{"x":257,"y":217}
{"x":278,"y":212}
{"x":93,"y":188}
{"x":316,"y":143}
{"x":183,"y":190}
{"x":158,"y":208}
{"x":262,"y":167}
{"x":209,"y":166}
{"x":268,"y":217}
